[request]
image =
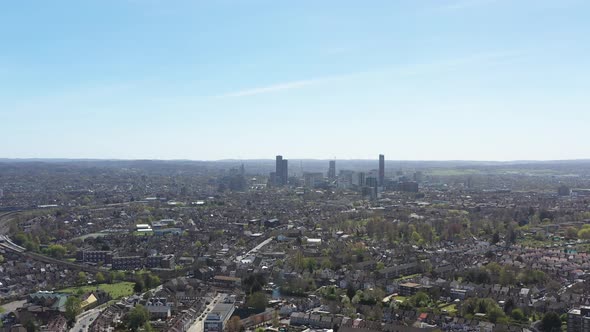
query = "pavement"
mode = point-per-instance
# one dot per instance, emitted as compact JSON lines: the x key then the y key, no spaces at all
{"x":198,"y":324}
{"x":255,"y":249}
{"x":84,"y":320}
{"x":12,"y":306}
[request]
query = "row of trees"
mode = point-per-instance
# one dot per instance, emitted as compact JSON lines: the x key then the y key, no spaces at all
{"x":486,"y":306}
{"x":494,"y":273}
{"x":145,"y":281}
{"x":253,"y":287}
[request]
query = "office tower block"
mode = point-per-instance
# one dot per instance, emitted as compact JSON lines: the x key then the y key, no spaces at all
{"x":281,"y":171}
{"x":381,"y":169}
{"x":332,"y":170}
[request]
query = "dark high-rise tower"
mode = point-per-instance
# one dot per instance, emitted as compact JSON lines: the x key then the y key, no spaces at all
{"x":285,"y":172}
{"x":278,"y":170}
{"x":332,"y":170}
{"x":281,"y":171}
{"x":381,"y":169}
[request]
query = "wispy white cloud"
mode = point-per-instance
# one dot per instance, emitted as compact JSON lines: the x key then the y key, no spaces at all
{"x":477,"y":59}
{"x":274,"y":88}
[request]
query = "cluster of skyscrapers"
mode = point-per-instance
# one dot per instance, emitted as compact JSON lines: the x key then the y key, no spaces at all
{"x":369,"y":184}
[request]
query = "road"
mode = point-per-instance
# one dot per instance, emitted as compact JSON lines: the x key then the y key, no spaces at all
{"x":198,"y":324}
{"x":255,"y":249}
{"x":5,"y":219}
{"x":84,"y":320}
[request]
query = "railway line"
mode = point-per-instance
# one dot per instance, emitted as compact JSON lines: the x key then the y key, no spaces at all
{"x":7,"y":244}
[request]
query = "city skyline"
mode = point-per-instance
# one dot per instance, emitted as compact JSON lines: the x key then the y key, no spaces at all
{"x":431,"y":80}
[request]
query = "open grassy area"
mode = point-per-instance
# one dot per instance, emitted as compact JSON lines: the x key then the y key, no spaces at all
{"x":400,"y":298}
{"x":136,"y":233}
{"x":116,"y":290}
{"x":450,"y":308}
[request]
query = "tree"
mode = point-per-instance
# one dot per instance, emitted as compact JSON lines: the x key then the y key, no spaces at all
{"x":416,"y":237}
{"x":350,"y":292}
{"x":419,"y":300}
{"x":138,"y":287}
{"x":147,"y":327}
{"x":150,"y":280}
{"x":517,"y":314}
{"x":509,"y":305}
{"x":494,"y":314}
{"x":253,"y":283}
{"x":1,"y":259}
{"x":310,"y":264}
{"x":137,"y":317}
{"x":507,"y":277}
{"x":257,"y":301}
{"x":72,"y":308}
{"x":82,"y":277}
{"x":99,"y":277}
{"x":30,"y":325}
{"x":584,"y":233}
{"x":510,"y":235}
{"x":56,"y":250}
{"x":551,"y":322}
{"x":234,"y":324}
{"x":571,"y":233}
{"x":495,"y":238}
{"x":326,"y":263}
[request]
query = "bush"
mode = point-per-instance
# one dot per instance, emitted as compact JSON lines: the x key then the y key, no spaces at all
{"x":517,"y":314}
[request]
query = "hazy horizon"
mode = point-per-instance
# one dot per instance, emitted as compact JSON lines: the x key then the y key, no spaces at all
{"x":305,"y":159}
{"x":481,"y":80}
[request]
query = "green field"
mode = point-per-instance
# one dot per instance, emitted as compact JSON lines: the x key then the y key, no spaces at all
{"x":400,"y":298}
{"x":136,"y":233}
{"x":450,"y":308}
{"x":116,"y":290}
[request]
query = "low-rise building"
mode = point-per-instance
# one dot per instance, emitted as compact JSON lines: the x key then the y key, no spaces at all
{"x":578,"y":320}
{"x":94,"y":256}
{"x":160,"y":262}
{"x":127,"y":263}
{"x":218,"y":317}
{"x":158,"y":308}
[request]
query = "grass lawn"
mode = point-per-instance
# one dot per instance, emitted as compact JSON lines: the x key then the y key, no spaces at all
{"x":136,"y":233}
{"x":400,"y":298}
{"x":116,"y":290}
{"x":450,"y":308}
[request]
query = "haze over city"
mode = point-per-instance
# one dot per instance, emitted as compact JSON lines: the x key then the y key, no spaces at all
{"x":208,"y":80}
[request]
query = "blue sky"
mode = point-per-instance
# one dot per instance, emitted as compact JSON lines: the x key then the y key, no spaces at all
{"x":415,"y":80}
